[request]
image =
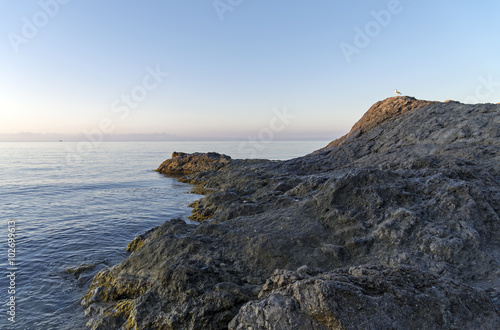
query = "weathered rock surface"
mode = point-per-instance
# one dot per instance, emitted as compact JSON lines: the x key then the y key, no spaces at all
{"x":182,"y":163}
{"x":402,"y":216}
{"x":367,"y":298}
{"x":379,"y":113}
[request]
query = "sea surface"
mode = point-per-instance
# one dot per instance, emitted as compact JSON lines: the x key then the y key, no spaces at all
{"x":75,"y":204}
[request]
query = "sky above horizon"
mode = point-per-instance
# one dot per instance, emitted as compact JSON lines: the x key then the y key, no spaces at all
{"x":235,"y":69}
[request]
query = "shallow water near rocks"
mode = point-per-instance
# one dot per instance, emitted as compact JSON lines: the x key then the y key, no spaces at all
{"x":82,"y":208}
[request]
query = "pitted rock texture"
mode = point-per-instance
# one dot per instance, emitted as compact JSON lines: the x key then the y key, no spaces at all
{"x":379,"y":113}
{"x":182,"y":163}
{"x":403,"y":219}
{"x":366,"y":297}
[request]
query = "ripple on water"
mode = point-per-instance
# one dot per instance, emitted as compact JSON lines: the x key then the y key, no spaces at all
{"x":73,"y":216}
{"x":83,"y":213}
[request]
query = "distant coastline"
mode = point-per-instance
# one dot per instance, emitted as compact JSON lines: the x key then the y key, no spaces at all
{"x":54,"y":137}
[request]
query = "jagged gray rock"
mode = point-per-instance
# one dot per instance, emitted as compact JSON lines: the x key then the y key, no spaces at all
{"x":365,"y":297}
{"x":411,"y":198}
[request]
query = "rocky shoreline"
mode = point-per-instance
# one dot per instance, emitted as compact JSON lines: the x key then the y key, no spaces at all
{"x":394,"y":226}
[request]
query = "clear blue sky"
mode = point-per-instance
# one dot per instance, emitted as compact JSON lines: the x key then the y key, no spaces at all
{"x":225,"y":77}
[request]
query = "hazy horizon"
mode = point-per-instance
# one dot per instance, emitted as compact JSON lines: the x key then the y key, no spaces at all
{"x":144,"y":137}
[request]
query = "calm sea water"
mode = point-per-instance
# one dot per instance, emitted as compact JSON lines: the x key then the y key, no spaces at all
{"x":75,"y":205}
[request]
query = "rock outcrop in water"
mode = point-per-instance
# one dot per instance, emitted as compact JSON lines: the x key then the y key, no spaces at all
{"x":395,"y":226}
{"x":182,"y":163}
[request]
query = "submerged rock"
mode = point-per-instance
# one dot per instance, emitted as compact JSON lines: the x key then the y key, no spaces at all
{"x":398,"y":224}
{"x":77,"y":271}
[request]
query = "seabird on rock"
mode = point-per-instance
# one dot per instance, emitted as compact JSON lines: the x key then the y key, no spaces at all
{"x":396,"y":92}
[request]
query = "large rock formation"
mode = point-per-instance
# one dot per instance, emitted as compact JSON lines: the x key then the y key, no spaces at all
{"x":394,"y":226}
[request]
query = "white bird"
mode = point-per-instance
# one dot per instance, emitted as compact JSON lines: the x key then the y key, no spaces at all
{"x":397,"y":92}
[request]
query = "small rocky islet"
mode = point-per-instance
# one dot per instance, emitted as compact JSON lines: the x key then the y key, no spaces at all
{"x":396,"y":225}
